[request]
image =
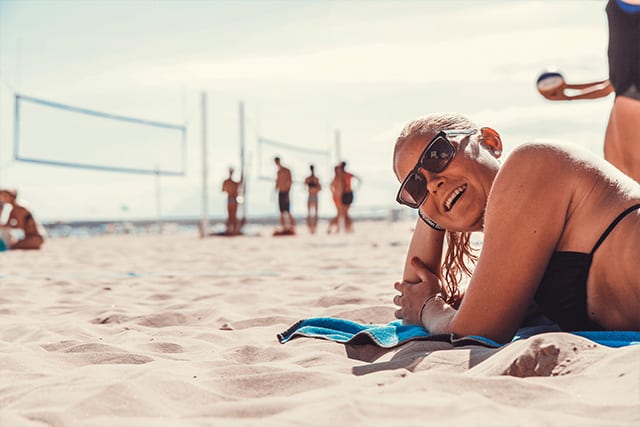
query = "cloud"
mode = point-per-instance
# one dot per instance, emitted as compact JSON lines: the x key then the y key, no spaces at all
{"x":474,"y":58}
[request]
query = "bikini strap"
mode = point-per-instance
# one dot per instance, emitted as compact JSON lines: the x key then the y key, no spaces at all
{"x":613,"y":225}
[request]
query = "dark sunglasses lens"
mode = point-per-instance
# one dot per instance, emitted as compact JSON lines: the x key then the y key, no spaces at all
{"x":438,"y":156}
{"x":414,"y":190}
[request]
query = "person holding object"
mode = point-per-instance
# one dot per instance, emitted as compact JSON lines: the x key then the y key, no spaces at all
{"x":553,"y":86}
{"x":20,"y":218}
{"x":622,"y":137}
{"x":561,"y":233}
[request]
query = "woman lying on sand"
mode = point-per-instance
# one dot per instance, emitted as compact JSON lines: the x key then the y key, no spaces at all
{"x":561,"y":228}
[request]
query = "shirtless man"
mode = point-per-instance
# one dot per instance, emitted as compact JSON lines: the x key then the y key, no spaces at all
{"x":283,"y":186}
{"x":20,"y":218}
{"x":232,"y":188}
{"x":347,"y":195}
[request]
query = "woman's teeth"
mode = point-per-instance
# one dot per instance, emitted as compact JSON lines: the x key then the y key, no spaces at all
{"x":454,"y":197}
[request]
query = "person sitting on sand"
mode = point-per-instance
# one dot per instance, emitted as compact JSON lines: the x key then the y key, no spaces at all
{"x":232,"y":188}
{"x":19,"y":218}
{"x":561,"y":233}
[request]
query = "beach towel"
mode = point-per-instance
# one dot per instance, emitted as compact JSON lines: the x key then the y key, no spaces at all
{"x":395,"y":333}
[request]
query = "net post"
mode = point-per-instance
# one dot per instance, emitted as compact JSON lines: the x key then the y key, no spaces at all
{"x":158,"y":200}
{"x":242,"y":168}
{"x":204,"y":219}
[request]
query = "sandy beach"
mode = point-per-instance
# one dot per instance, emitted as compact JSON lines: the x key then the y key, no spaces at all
{"x":173,"y":330}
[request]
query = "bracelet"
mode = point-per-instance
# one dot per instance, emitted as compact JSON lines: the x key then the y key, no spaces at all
{"x":424,"y":304}
{"x":431,"y":223}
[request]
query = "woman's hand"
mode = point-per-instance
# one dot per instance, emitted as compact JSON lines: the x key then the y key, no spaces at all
{"x":413,"y":295}
{"x":555,"y":93}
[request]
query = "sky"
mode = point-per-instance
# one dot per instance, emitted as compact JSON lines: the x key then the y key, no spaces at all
{"x":302,"y":71}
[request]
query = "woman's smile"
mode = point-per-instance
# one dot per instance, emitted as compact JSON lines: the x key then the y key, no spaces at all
{"x":454,"y":197}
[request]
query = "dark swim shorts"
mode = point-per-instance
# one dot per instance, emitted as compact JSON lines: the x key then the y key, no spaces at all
{"x":347,"y":198}
{"x":624,"y":48}
{"x":283,"y":201}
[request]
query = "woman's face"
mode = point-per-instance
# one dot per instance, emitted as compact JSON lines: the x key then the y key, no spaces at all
{"x":457,"y":195}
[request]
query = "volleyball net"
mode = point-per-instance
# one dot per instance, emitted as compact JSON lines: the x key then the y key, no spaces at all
{"x":51,"y":133}
{"x":296,"y":158}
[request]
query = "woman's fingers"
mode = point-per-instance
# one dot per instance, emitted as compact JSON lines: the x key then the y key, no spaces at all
{"x":396,"y":299}
{"x":421,"y":269}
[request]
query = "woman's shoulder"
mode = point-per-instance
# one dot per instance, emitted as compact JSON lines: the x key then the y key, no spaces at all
{"x":552,"y":174}
{"x":556,"y":158}
{"x":537,"y":160}
{"x":549,"y":150}
{"x":564,"y":158}
{"x":567,"y":167}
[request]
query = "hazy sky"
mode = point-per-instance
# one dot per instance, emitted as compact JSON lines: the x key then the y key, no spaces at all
{"x":302,"y":70}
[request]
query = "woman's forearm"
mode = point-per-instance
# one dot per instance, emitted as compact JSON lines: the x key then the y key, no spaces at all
{"x":594,"y":91}
{"x":426,"y":244}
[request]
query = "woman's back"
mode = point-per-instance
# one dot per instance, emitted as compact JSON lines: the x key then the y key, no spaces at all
{"x":584,"y":195}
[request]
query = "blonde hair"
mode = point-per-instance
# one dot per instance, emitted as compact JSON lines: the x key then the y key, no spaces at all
{"x":460,"y":256}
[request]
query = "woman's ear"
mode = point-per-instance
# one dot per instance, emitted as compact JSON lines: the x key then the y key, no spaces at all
{"x":491,"y":138}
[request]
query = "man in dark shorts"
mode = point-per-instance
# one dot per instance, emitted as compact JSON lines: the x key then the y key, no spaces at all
{"x":283,"y":186}
{"x":347,"y":195}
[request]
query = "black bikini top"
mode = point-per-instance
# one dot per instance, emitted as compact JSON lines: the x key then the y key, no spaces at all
{"x":562,"y":293}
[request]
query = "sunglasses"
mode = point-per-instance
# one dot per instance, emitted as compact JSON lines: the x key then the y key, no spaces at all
{"x":435,"y":158}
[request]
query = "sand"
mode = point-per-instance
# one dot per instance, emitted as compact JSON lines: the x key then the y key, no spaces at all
{"x":172,"y":330}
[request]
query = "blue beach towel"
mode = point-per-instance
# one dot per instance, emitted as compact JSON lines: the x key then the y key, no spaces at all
{"x":395,"y":333}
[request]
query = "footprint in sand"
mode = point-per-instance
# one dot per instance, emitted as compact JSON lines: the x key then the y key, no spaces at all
{"x":98,"y":354}
{"x":162,"y":320}
{"x":165,"y":347}
{"x":537,"y":361}
{"x":249,"y":354}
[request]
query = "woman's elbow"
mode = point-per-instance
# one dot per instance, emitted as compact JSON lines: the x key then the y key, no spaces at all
{"x":499,"y":334}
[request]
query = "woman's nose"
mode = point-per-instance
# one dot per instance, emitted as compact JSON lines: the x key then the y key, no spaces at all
{"x":434,"y":182}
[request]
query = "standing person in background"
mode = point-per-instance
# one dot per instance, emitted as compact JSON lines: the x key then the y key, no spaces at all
{"x":347,"y":195}
{"x":283,"y":186}
{"x":622,"y":137}
{"x":21,"y":219}
{"x":232,"y":188}
{"x":337,"y":188}
{"x":313,"y":187}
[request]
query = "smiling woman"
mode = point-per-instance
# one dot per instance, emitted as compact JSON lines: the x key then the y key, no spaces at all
{"x":561,"y":230}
